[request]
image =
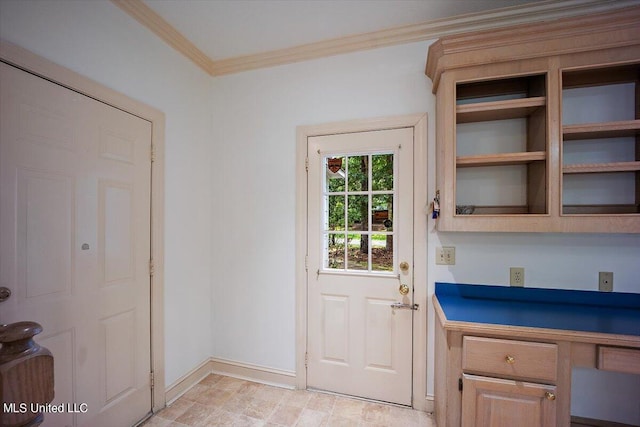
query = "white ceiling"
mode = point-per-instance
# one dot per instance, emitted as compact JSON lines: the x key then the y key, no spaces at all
{"x":231,"y":28}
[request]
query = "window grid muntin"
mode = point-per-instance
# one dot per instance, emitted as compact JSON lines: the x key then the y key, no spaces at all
{"x":326,"y":232}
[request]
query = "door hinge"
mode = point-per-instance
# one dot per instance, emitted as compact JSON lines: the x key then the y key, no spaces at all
{"x":306,"y":164}
{"x":306,"y":263}
{"x":306,"y":360}
{"x":153,"y":154}
{"x":460,"y":384}
{"x":151,"y":268}
{"x":152,"y":379}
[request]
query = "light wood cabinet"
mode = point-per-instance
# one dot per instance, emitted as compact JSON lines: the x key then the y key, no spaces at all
{"x":500,"y":397}
{"x":538,"y":126}
{"x":489,"y":380}
{"x":486,"y":377}
{"x":494,"y":402}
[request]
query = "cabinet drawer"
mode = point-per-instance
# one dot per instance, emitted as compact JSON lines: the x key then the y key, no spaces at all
{"x":618,"y":359}
{"x":510,"y":358}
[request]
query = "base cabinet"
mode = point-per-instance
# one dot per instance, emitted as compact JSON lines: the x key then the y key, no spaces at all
{"x":496,"y":402}
{"x":486,"y":378}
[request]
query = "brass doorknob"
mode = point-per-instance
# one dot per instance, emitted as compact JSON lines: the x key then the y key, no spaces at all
{"x":5,"y":293}
{"x":404,"y":289}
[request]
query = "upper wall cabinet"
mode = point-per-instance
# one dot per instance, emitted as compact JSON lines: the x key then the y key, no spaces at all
{"x":538,"y":126}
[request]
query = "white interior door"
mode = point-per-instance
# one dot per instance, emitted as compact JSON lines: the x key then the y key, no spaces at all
{"x":75,"y":243}
{"x":360,"y":253}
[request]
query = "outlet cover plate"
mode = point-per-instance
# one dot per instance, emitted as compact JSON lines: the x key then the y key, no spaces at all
{"x":605,"y":281}
{"x":446,"y":255}
{"x":516,"y":276}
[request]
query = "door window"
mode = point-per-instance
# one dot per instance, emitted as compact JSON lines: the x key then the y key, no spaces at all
{"x":359,"y":199}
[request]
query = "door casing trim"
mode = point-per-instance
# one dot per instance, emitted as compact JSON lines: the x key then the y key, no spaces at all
{"x":419,"y":124}
{"x":35,"y":64}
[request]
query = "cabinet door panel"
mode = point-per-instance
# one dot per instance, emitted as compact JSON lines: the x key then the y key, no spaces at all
{"x":493,"y":402}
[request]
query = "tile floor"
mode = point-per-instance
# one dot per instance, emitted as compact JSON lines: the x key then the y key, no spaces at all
{"x":225,"y":401}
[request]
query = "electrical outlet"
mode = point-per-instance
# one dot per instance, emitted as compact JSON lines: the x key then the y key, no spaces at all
{"x":605,"y":281}
{"x":446,"y":255}
{"x":516,"y":276}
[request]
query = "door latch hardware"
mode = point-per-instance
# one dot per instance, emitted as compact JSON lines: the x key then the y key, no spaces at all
{"x":404,"y":306}
{"x":5,"y":293}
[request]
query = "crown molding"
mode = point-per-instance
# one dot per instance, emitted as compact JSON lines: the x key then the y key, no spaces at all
{"x":154,"y":22}
{"x":597,"y":31}
{"x":542,"y":11}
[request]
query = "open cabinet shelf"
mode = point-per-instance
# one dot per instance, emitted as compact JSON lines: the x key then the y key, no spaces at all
{"x":501,"y":140}
{"x":601,"y":130}
{"x":601,"y":142}
{"x":541,"y":134}
{"x":499,"y":110}
{"x":500,"y":159}
{"x":602,"y":167}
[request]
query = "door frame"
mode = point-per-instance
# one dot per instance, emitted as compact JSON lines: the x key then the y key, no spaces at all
{"x":419,"y":124}
{"x":27,"y":61}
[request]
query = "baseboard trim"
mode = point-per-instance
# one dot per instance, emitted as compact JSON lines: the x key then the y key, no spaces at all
{"x":256,"y":373}
{"x":429,"y":404}
{"x":230,"y":368}
{"x":184,"y":383}
{"x":245,"y":371}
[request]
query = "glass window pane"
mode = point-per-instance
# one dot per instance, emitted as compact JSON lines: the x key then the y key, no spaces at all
{"x":335,"y":251}
{"x":335,"y":172}
{"x":382,"y":252}
{"x":358,"y":252}
{"x":335,"y":220}
{"x":358,"y":173}
{"x":382,"y":172}
{"x":358,"y":213}
{"x":358,"y":234}
{"x":382,"y":212}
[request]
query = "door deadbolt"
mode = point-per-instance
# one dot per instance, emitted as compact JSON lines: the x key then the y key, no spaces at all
{"x":404,"y":266}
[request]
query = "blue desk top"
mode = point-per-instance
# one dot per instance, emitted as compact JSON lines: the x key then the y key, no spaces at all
{"x":588,"y":311}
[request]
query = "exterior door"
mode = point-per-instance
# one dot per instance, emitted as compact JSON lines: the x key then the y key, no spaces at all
{"x":360,"y":263}
{"x":75,"y":243}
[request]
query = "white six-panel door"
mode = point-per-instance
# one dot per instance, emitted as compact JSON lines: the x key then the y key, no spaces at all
{"x":75,"y":243}
{"x":360,"y":187}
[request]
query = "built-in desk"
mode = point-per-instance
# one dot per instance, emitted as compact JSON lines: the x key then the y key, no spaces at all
{"x":504,"y":355}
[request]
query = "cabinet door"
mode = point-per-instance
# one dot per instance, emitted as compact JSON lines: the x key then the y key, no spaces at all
{"x":494,"y":402}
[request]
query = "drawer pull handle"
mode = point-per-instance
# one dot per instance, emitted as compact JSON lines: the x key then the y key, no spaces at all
{"x":549,"y":395}
{"x":510,"y":360}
